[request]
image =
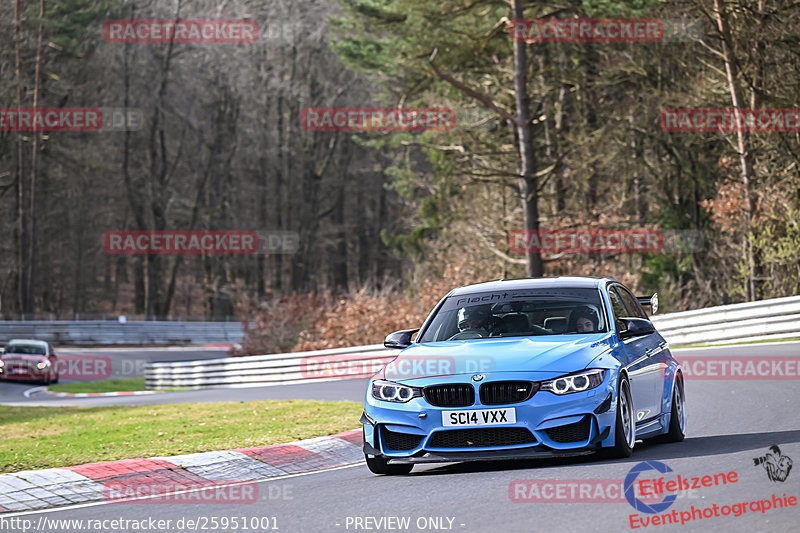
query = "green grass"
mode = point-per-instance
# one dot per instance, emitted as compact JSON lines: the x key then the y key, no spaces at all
{"x":109,"y":385}
{"x":689,"y":346}
{"x":46,"y":437}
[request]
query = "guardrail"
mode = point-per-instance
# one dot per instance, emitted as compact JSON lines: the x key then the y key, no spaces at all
{"x":102,"y":332}
{"x":767,"y":319}
{"x":275,"y":369}
{"x":778,"y":318}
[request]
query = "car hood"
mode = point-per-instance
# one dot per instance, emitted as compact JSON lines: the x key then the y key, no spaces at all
{"x":21,"y":357}
{"x":554,"y":353}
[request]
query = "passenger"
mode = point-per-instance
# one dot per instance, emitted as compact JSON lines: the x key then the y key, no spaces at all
{"x":583,"y":320}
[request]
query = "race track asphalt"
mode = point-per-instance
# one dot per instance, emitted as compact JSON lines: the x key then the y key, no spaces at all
{"x":731,"y":422}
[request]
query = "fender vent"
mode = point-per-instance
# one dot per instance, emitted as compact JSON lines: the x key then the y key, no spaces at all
{"x":393,"y":440}
{"x":577,"y":432}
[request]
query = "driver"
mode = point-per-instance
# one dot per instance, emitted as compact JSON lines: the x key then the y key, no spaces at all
{"x":475,"y":318}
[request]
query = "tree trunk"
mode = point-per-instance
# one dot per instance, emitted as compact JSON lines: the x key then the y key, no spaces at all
{"x":33,"y":251}
{"x":560,"y":131}
{"x":132,"y":194}
{"x":590,"y":106}
{"x":528,"y":182}
{"x":639,"y":192}
{"x":22,"y":195}
{"x":743,"y":139}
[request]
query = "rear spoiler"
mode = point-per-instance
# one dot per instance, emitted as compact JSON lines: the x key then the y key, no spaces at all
{"x":649,"y":301}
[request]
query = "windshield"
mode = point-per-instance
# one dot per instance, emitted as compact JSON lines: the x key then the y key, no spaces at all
{"x":518,"y":313}
{"x":25,"y":349}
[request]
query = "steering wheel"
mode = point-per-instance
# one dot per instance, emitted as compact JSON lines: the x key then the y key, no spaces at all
{"x":468,"y":334}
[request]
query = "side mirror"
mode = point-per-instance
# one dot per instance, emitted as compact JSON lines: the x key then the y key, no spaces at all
{"x":399,"y":339}
{"x":636,"y":327}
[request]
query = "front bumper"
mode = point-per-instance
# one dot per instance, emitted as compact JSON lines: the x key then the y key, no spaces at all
{"x":23,"y":377}
{"x":25,"y":370}
{"x":547,"y":425}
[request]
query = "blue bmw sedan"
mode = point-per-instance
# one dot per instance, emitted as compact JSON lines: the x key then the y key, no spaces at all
{"x":524,"y":368}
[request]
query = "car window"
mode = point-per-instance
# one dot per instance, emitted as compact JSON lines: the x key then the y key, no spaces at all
{"x":25,"y":349}
{"x":618,"y":307}
{"x":616,"y":304}
{"x":516,"y":313}
{"x":634,"y":308}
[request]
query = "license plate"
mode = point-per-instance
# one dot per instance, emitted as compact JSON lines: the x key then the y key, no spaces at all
{"x":479,"y":417}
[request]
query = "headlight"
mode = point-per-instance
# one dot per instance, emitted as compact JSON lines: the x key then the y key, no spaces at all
{"x":43,"y":365}
{"x":390,"y":391}
{"x":575,"y":382}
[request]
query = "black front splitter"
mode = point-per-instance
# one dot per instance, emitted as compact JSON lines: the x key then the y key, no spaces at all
{"x":535,"y":452}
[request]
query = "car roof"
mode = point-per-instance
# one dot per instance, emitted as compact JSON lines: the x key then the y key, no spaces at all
{"x":560,"y":282}
{"x":27,"y":341}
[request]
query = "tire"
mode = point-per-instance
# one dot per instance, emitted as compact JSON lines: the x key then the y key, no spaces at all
{"x":677,"y":415}
{"x":624,"y":434}
{"x":380,"y":465}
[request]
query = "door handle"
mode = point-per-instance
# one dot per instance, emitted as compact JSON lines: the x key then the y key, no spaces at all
{"x":657,"y":349}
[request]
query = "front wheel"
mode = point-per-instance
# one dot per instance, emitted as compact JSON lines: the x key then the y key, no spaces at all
{"x":625,"y":429}
{"x":677,"y":416}
{"x":380,"y":465}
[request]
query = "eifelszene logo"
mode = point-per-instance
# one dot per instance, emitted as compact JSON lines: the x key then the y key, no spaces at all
{"x":670,"y":488}
{"x":637,"y":503}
